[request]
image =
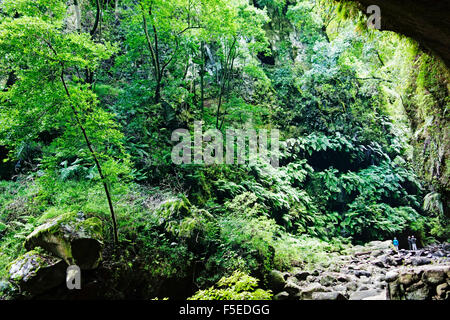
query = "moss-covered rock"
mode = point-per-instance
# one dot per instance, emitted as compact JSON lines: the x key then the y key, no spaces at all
{"x":71,"y":237}
{"x":36,"y":272}
{"x":276,"y":280}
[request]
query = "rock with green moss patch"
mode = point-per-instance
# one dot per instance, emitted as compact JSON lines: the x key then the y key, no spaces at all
{"x":276,"y":280}
{"x":71,"y":237}
{"x":36,"y":272}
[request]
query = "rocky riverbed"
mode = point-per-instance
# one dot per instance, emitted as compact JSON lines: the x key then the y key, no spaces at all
{"x":371,"y":272}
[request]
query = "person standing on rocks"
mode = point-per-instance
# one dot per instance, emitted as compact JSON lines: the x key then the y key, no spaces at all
{"x":395,"y":243}
{"x":413,"y":243}
{"x":409,"y":243}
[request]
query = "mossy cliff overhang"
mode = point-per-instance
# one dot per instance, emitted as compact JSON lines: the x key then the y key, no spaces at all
{"x":426,"y":21}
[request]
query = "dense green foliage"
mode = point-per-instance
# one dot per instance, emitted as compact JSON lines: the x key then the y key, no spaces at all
{"x":87,"y":109}
{"x":238,"y":286}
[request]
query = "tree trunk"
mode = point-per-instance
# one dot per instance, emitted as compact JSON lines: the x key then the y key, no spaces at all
{"x":202,"y":77}
{"x":97,"y":162}
{"x":158,"y":91}
{"x":97,"y":19}
{"x":223,"y":83}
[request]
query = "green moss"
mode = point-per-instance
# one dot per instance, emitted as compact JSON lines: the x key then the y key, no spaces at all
{"x":175,"y":208}
{"x":94,"y":225}
{"x":32,"y":261}
{"x":56,"y":235}
{"x":238,"y":286}
{"x":2,"y":226}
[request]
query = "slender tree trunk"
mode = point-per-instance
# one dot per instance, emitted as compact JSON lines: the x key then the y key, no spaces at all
{"x":224,"y":81}
{"x":89,"y":74}
{"x":90,"y":147}
{"x":158,"y":65}
{"x":97,"y":19}
{"x":159,"y":73}
{"x":158,"y":91}
{"x":227,"y":90}
{"x":194,"y":91}
{"x":97,"y":162}
{"x":154,"y":56}
{"x":202,"y":77}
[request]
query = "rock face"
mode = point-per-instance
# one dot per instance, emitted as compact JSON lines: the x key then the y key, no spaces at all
{"x":276,"y":280}
{"x":36,"y":272}
{"x":71,"y":237}
{"x":426,"y":21}
{"x":420,"y":283}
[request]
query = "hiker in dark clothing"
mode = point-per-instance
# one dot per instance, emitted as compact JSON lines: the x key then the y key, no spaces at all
{"x":413,"y":243}
{"x":409,"y":243}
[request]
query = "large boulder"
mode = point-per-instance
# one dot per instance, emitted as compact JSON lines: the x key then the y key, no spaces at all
{"x":443,"y":290}
{"x":446,"y":247}
{"x":379,"y":245}
{"x":420,"y":261}
{"x":377,"y":253}
{"x":327,"y":280}
{"x":352,"y":286}
{"x":307,"y":292}
{"x":292,"y":288}
{"x":362,"y":273}
{"x":301,"y":275}
{"x":409,"y":277}
{"x":394,"y":291}
{"x":344,"y":278}
{"x":434,"y":274}
{"x":340,"y":288}
{"x":419,"y":283}
{"x":36,"y":272}
{"x":71,"y":237}
{"x":363,"y":294}
{"x":276,"y":280}
{"x":378,"y":263}
{"x":391,"y":276}
{"x":418,"y":291}
{"x":283,"y":295}
{"x":328,"y":296}
{"x":381,"y":296}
